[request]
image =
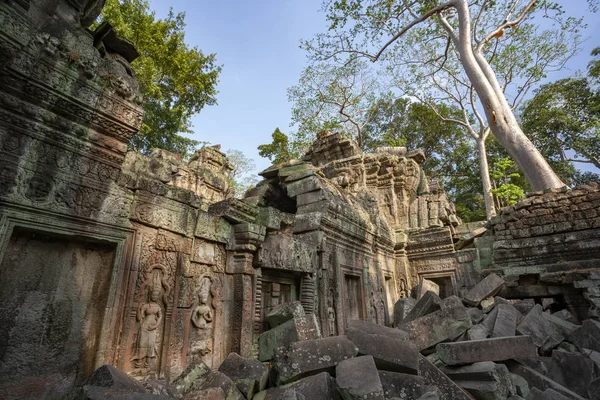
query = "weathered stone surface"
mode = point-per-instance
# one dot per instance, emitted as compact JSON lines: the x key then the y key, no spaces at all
{"x":439,"y":326}
{"x":433,"y":376}
{"x":428,"y":303}
{"x":402,"y":386}
{"x":593,"y":390}
{"x":587,"y":336}
{"x":478,"y":332}
{"x":484,"y":380}
{"x":392,"y":352}
{"x":319,"y":386}
{"x":250,"y":376}
{"x":521,"y":385}
{"x":402,"y":308}
{"x":539,"y":380}
{"x":524,"y":306}
{"x":548,"y":394}
{"x":284,"y":313}
{"x":194,"y":382}
{"x":374,"y":329}
{"x":543,"y":332}
{"x":476,"y":315}
{"x":572,"y":370}
{"x":425,"y":285}
{"x":487,"y":304}
{"x":310,"y":357}
{"x":489,"y":286}
{"x":357,"y":378}
{"x":495,"y":349}
{"x":304,"y":327}
{"x":506,"y":320}
{"x":567,"y":316}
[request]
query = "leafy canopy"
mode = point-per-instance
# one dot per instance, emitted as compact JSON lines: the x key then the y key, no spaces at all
{"x":177,"y":81}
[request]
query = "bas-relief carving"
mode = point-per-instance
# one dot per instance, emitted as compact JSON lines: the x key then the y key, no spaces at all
{"x":202,"y":321}
{"x":153,"y":299}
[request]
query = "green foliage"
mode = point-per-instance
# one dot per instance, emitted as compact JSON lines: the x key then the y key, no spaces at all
{"x":242,"y":176}
{"x":177,"y":81}
{"x":505,"y":173}
{"x":279,"y":150}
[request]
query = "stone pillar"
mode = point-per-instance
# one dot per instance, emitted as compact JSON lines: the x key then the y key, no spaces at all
{"x":307,"y":293}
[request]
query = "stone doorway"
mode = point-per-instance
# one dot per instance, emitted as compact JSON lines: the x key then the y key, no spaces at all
{"x":353,"y":298}
{"x":52,"y":299}
{"x":277,"y":288}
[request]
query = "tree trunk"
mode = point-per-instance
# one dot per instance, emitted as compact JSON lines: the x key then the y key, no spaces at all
{"x":501,"y":119}
{"x":490,"y":210}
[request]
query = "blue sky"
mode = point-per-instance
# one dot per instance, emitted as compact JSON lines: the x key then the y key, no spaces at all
{"x":257,"y":44}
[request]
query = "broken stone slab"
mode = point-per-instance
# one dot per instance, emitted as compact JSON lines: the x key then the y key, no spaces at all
{"x":403,"y":386}
{"x":587,"y":336}
{"x":250,"y":376}
{"x":572,"y":370}
{"x":489,"y":286}
{"x":429,"y":303}
{"x":490,"y":321}
{"x":391,"y":353}
{"x":539,"y":380}
{"x":284,"y":313}
{"x":439,"y":326}
{"x":320,"y":386}
{"x":487,"y":304}
{"x":371,"y":328}
{"x":311,"y":357}
{"x":433,"y":376}
{"x":564,"y":326}
{"x":524,"y":306}
{"x":402,"y":308}
{"x":494,"y":349}
{"x":566,"y":315}
{"x":357,"y":378}
{"x":304,"y":327}
{"x":506,"y":321}
{"x":548,"y":394}
{"x":594,"y":389}
{"x":478,"y":332}
{"x":425,"y":285}
{"x":194,"y":382}
{"x":544,"y":334}
{"x":521,"y":385}
{"x":476,"y":315}
{"x":484,"y":380}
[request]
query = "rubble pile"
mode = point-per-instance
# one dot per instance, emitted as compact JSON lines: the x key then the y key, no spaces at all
{"x":480,"y":347}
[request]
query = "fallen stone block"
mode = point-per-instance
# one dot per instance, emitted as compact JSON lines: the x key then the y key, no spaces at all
{"x":476,"y":315}
{"x":250,"y":376}
{"x":389,"y":352}
{"x":284,"y":313}
{"x":587,"y":336}
{"x":543,"y":332}
{"x":521,"y":385}
{"x":311,"y":357}
{"x":439,"y":326}
{"x":357,"y":378}
{"x":403,"y":386}
{"x":567,"y":316}
{"x":489,"y":286}
{"x":371,"y":328}
{"x":524,"y":306}
{"x":304,"y":327}
{"x":429,"y":303}
{"x":594,"y":389}
{"x":402,"y":308}
{"x":490,"y":321}
{"x":320,"y":386}
{"x":433,"y":376}
{"x":194,"y":382}
{"x":572,"y":370}
{"x":564,"y":326}
{"x":494,"y":349}
{"x":425,"y":285}
{"x":506,"y":321}
{"x":487,"y":304}
{"x":539,"y":380}
{"x":478,"y":332}
{"x":548,"y":394}
{"x":484,"y":380}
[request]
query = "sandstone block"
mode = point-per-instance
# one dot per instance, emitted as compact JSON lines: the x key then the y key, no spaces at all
{"x":318,"y":386}
{"x":594,"y":389}
{"x":431,"y":329}
{"x":357,"y":378}
{"x":433,"y":376}
{"x":429,"y":303}
{"x":311,"y":357}
{"x":548,"y":394}
{"x":197,"y":379}
{"x":484,"y":380}
{"x":494,"y":349}
{"x":567,"y":316}
{"x":572,"y":370}
{"x":390,"y":352}
{"x":375,"y":329}
{"x":540,"y":380}
{"x":506,"y":320}
{"x":403,"y":386}
{"x":284,"y":313}
{"x":425,"y":285}
{"x":486,"y":288}
{"x":250,"y":376}
{"x":477,"y":332}
{"x":543,"y":332}
{"x":402,"y":308}
{"x":476,"y":315}
{"x":303,"y":327}
{"x":587,"y":336}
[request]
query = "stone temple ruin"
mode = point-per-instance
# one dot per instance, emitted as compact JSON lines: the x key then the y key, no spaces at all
{"x":146,"y":264}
